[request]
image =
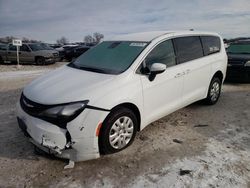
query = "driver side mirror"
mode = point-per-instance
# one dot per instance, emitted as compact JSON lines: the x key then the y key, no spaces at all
{"x":156,"y":68}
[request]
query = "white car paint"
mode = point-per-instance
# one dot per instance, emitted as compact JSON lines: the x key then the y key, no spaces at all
{"x":177,"y":87}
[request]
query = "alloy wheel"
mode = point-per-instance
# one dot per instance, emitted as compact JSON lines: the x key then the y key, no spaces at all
{"x":121,"y":132}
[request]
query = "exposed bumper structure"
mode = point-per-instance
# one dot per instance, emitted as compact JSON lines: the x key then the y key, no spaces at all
{"x":78,"y":142}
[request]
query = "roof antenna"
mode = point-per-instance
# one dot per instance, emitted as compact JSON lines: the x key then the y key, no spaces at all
{"x":191,"y":29}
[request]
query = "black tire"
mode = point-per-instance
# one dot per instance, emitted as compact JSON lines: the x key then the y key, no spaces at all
{"x":40,"y":61}
{"x":107,"y":130}
{"x":1,"y":60}
{"x":214,"y":91}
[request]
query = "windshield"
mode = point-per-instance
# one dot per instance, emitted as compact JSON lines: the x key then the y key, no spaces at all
{"x":36,"y":47}
{"x":46,"y":46}
{"x":239,"y":49}
{"x":109,"y":57}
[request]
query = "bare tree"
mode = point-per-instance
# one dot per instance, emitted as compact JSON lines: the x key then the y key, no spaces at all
{"x":95,"y":38}
{"x":25,"y":39}
{"x":7,"y":39}
{"x":98,"y":37}
{"x":89,"y":39}
{"x":62,"y":40}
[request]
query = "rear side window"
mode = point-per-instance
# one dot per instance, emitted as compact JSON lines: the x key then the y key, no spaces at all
{"x":188,"y":48}
{"x":211,"y":44}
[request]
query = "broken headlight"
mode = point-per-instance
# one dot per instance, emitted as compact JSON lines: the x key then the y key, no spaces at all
{"x":62,"y":114}
{"x":247,"y":64}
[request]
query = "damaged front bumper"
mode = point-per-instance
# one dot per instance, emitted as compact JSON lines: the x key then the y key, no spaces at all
{"x":77,"y":143}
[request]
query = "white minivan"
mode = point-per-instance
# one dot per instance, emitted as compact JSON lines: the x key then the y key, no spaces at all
{"x":96,"y":104}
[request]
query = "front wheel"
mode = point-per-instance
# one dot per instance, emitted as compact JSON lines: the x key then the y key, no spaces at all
{"x":40,"y":61}
{"x":118,"y":131}
{"x":214,"y":91}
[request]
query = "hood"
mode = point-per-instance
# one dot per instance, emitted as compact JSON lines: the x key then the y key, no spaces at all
{"x":238,"y":56}
{"x":67,"y":84}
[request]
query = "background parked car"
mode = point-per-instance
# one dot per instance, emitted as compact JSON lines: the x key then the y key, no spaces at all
{"x":63,"y":48}
{"x":75,"y":52}
{"x":3,"y":46}
{"x":29,"y":53}
{"x":46,"y":46}
{"x":239,"y":62}
{"x":54,"y":46}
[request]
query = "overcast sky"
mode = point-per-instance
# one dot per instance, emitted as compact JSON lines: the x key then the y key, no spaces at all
{"x":48,"y":20}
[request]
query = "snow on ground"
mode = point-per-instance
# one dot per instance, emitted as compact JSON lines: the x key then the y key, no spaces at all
{"x":221,"y":165}
{"x":17,"y":74}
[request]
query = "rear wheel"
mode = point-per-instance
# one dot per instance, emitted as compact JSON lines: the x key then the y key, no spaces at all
{"x":118,"y":131}
{"x":214,"y":91}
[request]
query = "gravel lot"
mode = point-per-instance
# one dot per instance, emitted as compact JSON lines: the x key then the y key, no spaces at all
{"x":198,"y":146}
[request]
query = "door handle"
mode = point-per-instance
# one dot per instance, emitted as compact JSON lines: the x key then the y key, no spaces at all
{"x":178,"y":75}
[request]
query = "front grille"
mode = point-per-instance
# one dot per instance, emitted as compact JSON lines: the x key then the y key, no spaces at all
{"x":234,"y":62}
{"x":35,"y":109}
{"x":30,"y":107}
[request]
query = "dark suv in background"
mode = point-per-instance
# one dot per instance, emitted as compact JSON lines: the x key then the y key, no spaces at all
{"x":238,"y":69}
{"x":74,"y":52}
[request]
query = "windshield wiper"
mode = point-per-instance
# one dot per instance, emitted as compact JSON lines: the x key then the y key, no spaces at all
{"x":73,"y":65}
{"x":92,"y":69}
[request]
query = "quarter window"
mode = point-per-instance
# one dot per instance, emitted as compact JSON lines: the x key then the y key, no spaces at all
{"x":188,"y":48}
{"x":211,"y":44}
{"x":163,"y":53}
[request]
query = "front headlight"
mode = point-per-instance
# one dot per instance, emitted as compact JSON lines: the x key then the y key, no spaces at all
{"x":247,"y":64}
{"x":50,"y":55}
{"x":62,"y":114}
